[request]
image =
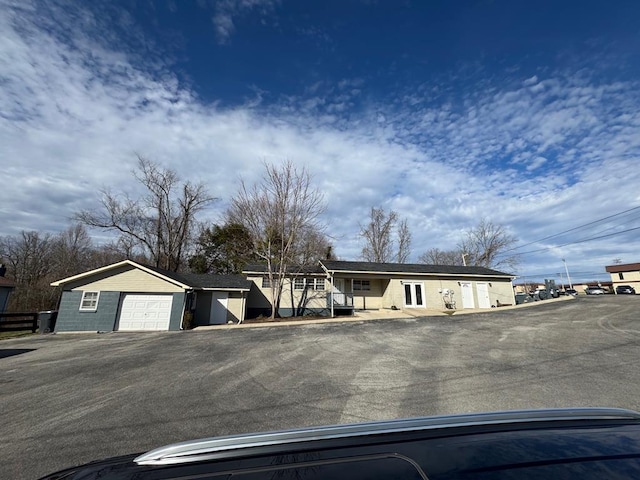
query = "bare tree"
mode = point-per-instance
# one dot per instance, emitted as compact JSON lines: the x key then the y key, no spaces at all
{"x":379,"y":240}
{"x":72,"y":251}
{"x":435,"y":256}
{"x":29,"y":260}
{"x":312,"y":245}
{"x":157,"y":225}
{"x":404,"y":242}
{"x":486,"y":245}
{"x":277,"y":212}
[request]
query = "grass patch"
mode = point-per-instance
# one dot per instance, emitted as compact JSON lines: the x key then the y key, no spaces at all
{"x":7,"y":335}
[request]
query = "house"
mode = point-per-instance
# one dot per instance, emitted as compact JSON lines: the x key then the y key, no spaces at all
{"x":340,"y":287}
{"x":6,"y":287}
{"x":131,"y":296}
{"x":304,"y":291}
{"x":625,"y":274}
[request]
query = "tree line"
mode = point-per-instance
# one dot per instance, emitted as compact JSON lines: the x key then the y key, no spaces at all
{"x":275,"y":222}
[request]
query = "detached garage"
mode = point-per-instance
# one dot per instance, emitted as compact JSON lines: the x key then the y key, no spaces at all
{"x":129,"y":296}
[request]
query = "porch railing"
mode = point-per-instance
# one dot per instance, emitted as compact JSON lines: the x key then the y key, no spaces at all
{"x":340,"y":300}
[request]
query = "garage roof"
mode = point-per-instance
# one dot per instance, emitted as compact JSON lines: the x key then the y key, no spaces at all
{"x":206,"y":281}
{"x":184,"y":280}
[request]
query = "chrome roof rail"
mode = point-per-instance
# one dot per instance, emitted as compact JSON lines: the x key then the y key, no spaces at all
{"x":215,"y":447}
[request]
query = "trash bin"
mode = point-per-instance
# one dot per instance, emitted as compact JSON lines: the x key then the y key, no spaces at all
{"x":47,"y":321}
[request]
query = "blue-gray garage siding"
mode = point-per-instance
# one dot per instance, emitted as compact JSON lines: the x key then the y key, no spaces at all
{"x":103,"y":319}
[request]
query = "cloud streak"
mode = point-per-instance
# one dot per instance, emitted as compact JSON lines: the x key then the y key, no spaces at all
{"x":228,"y":10}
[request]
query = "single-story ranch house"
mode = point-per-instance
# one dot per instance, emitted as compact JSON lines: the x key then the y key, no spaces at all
{"x":131,"y":296}
{"x":339,"y":287}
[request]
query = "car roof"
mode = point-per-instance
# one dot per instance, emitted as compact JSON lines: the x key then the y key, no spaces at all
{"x":285,"y":441}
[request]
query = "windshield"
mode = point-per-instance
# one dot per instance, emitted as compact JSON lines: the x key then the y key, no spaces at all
{"x":231,"y":216}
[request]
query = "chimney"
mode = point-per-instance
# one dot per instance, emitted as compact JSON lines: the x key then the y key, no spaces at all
{"x":3,"y":269}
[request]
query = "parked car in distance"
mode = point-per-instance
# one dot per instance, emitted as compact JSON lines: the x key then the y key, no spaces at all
{"x":594,"y":291}
{"x":582,"y":443}
{"x":571,"y":291}
{"x":625,"y":290}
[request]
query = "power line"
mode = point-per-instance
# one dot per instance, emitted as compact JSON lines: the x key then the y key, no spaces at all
{"x":578,"y":241}
{"x":571,"y":230}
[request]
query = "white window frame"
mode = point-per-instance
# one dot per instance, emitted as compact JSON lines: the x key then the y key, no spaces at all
{"x":362,"y":285}
{"x":320,"y":285}
{"x":312,"y":283}
{"x":93,"y":303}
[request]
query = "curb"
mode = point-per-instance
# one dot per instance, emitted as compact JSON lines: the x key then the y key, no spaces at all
{"x":405,"y":316}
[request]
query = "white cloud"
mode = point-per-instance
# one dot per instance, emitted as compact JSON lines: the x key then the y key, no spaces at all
{"x":73,"y":113}
{"x":227,"y":10}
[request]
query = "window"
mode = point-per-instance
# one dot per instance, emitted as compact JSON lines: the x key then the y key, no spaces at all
{"x":266,"y":282}
{"x":361,"y":285}
{"x":311,"y":283}
{"x":299,"y":283}
{"x":621,"y":276}
{"x":89,"y":301}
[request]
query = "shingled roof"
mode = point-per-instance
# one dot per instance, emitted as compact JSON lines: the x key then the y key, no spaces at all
{"x":186,"y":280}
{"x":196,"y":280}
{"x":416,"y":268}
{"x":291,"y":270}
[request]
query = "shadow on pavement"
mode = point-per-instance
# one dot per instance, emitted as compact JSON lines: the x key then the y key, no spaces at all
{"x":10,"y":352}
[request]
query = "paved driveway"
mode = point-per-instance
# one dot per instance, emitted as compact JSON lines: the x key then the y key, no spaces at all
{"x":67,"y":399}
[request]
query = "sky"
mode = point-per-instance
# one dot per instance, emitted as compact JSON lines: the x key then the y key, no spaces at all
{"x":523,"y":113}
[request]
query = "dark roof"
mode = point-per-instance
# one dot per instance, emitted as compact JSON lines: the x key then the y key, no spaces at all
{"x":292,"y":270}
{"x":627,"y":267}
{"x":196,"y":280}
{"x":368,"y":267}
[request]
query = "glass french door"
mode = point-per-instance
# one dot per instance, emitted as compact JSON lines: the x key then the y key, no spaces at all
{"x":414,"y":294}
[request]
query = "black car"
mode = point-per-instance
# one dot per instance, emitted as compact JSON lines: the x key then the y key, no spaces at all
{"x":562,"y":443}
{"x":625,"y":290}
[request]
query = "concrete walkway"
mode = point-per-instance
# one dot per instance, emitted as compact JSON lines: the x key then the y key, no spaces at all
{"x":382,"y":314}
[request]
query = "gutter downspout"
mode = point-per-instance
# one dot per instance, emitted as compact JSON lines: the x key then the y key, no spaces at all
{"x":331,"y":276}
{"x":244,"y":307}
{"x":184,"y":305}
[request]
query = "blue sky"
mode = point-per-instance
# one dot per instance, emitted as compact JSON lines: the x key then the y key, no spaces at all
{"x":526,"y":113}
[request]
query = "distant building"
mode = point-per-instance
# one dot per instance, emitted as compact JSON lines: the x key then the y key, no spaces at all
{"x":6,"y":287}
{"x":625,"y":274}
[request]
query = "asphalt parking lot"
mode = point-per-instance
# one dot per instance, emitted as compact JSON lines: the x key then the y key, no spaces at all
{"x":69,"y":399}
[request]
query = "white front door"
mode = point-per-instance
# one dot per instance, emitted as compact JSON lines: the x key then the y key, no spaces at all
{"x":467,"y":295}
{"x":413,"y":294}
{"x":338,"y":292}
{"x":482,"y":289}
{"x":219,"y":302}
{"x":145,"y":312}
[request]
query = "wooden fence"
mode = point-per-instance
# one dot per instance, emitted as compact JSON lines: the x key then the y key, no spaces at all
{"x":17,"y":322}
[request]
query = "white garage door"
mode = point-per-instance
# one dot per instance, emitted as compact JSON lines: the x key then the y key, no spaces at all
{"x":145,"y":312}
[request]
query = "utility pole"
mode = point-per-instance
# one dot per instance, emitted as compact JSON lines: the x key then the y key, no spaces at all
{"x":567,"y":270}
{"x":464,"y":262}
